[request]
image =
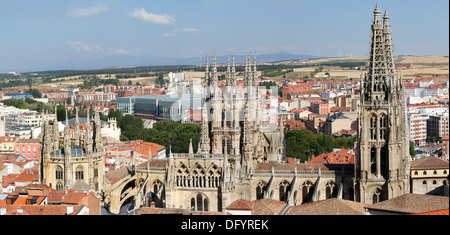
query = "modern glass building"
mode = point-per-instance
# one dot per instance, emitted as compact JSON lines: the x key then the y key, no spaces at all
{"x":126,"y":104}
{"x":171,"y":107}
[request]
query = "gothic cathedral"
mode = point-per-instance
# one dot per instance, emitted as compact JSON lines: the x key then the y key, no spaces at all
{"x":382,"y":146}
{"x":74,"y":158}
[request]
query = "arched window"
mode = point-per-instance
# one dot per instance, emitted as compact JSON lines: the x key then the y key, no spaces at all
{"x":383,"y":161}
{"x":373,"y":128}
{"x":182,"y":176}
{"x":376,"y":196}
{"x":424,"y":182}
{"x":198,"y":176}
{"x":214,"y":177}
{"x":307,"y":192}
{"x":284,"y":188}
{"x":200,"y":203}
{"x":330,"y":190}
{"x":383,"y":127}
{"x":59,"y":173}
{"x":192,"y":203}
{"x":260,"y":190}
{"x":205,"y":204}
{"x":373,"y":160}
{"x":59,"y":186}
{"x":79,"y":175}
{"x":424,"y":172}
{"x":435,"y":172}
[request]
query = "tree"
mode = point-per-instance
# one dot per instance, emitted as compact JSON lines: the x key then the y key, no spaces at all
{"x":160,"y":79}
{"x":412,"y":151}
{"x":34,"y":92}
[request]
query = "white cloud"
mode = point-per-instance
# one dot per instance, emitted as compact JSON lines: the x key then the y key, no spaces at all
{"x":170,"y":35}
{"x":190,"y":30}
{"x":79,"y":46}
{"x":142,"y":14}
{"x":121,"y":52}
{"x":95,"y":49}
{"x":87,"y":12}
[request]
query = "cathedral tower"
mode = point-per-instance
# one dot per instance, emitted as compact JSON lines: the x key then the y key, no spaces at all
{"x":382,"y":146}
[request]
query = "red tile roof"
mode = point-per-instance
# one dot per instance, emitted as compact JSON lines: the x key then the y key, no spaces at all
{"x":332,"y":206}
{"x":40,"y":209}
{"x":429,"y":163}
{"x":412,"y":204}
{"x":438,"y":212}
{"x":344,"y":156}
{"x":241,"y":204}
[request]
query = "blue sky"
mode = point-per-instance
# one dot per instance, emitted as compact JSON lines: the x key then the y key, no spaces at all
{"x":36,"y":33}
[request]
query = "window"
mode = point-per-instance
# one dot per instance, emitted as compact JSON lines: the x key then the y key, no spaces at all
{"x":373,"y":160}
{"x":59,"y":173}
{"x":260,"y":189}
{"x":331,"y":190}
{"x":307,"y":192}
{"x":383,"y":127}
{"x":376,"y":196}
{"x":201,"y":201}
{"x":373,"y":130}
{"x":59,"y":186}
{"x":284,"y":189}
{"x":79,"y":173}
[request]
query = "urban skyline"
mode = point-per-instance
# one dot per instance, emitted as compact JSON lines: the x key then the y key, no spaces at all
{"x":45,"y":35}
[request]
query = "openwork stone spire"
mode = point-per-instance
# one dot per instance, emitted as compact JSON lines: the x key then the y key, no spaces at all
{"x":382,"y":146}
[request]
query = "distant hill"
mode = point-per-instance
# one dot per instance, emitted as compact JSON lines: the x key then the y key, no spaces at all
{"x":147,"y":60}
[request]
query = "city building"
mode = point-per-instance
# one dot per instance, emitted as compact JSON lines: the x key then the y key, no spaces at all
{"x":438,"y":126}
{"x":7,"y":144}
{"x":28,"y":148}
{"x":170,"y":107}
{"x":429,"y":175}
{"x":73,"y":159}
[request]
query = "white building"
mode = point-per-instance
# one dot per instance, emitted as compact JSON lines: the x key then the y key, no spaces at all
{"x":418,"y":127}
{"x":176,"y":77}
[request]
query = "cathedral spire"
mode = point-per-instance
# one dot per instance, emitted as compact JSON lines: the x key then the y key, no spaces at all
{"x":382,"y":145}
{"x":206,"y":72}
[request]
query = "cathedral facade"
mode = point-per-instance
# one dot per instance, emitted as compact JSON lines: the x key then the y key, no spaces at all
{"x":73,"y":158}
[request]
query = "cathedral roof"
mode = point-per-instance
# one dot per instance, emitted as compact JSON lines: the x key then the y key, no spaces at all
{"x":116,"y":175}
{"x":264,"y":206}
{"x":332,"y":206}
{"x":290,"y":166}
{"x":80,"y":185}
{"x":73,"y":151}
{"x":429,"y":163}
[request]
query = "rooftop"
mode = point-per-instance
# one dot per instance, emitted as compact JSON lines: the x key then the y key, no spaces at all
{"x":332,"y":206}
{"x":412,"y":204}
{"x":429,"y":163}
